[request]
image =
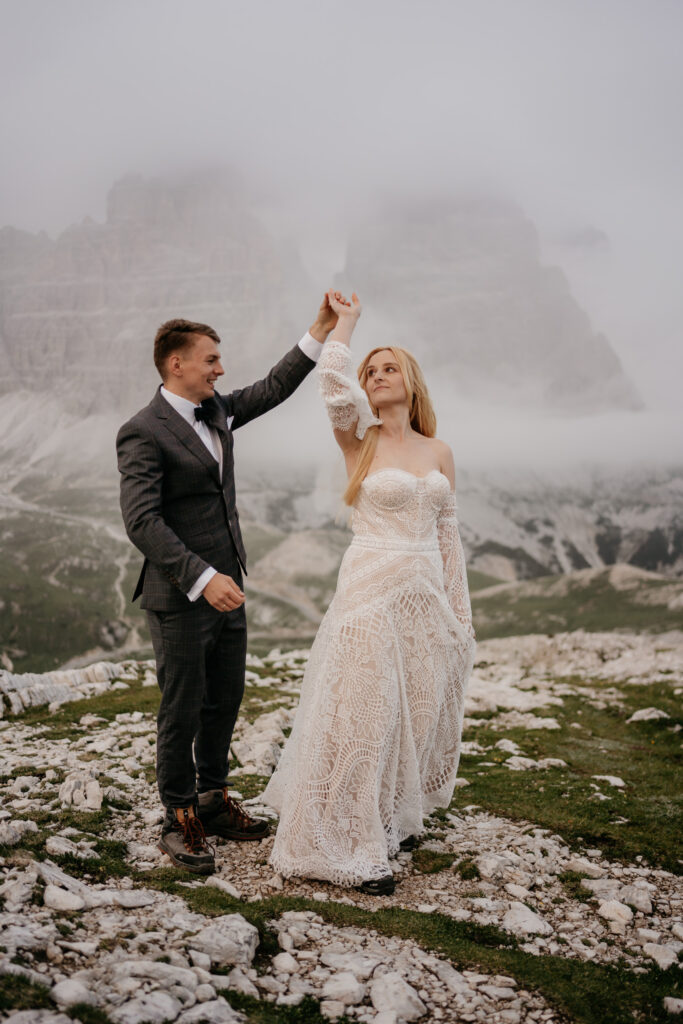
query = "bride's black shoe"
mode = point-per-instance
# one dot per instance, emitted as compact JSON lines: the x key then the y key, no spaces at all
{"x":378,"y":886}
{"x":408,"y":844}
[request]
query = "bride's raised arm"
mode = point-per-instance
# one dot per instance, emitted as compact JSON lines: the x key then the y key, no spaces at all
{"x":347,"y":403}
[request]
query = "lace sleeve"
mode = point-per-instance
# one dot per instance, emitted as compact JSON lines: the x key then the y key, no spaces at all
{"x":455,"y":576}
{"x":345,"y":399}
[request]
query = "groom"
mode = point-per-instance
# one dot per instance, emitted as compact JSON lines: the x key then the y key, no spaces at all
{"x":178,"y":503}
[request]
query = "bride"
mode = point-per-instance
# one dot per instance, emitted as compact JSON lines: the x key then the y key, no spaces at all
{"x":376,"y":739}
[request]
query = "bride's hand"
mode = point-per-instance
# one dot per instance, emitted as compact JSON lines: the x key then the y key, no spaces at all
{"x":341,"y":305}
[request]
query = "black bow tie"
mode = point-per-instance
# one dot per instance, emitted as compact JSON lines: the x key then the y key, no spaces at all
{"x":202,"y":414}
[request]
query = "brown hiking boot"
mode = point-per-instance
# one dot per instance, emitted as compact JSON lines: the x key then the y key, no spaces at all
{"x":183,"y":840}
{"x":223,"y":816}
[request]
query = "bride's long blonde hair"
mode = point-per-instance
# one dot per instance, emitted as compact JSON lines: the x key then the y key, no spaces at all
{"x":422,"y":416}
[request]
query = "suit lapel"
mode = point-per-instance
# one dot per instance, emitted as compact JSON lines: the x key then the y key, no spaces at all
{"x":182,"y":430}
{"x":219,"y":421}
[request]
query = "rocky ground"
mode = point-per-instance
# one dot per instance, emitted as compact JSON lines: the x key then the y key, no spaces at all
{"x":548,"y":891}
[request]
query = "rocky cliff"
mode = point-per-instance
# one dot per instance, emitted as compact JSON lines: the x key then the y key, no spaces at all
{"x":461,"y":284}
{"x":78,"y":314}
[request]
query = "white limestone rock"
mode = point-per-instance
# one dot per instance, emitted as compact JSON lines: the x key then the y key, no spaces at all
{"x":215,"y":882}
{"x":10,"y":835}
{"x":359,"y":964}
{"x":581,"y":865}
{"x":392,"y":992}
{"x":613,"y":780}
{"x":205,"y":993}
{"x":164,"y":974}
{"x":18,"y":890}
{"x":613,"y":910}
{"x":332,"y":1008}
{"x":132,"y":898}
{"x":648,"y":935}
{"x":53,"y":875}
{"x":602,"y":888}
{"x":345,"y":988}
{"x":284,"y":963}
{"x":218,"y":1011}
{"x":228,"y":940}
{"x":647,"y":715}
{"x":61,"y":899}
{"x":37,"y":1017}
{"x":386,"y":1017}
{"x":636,"y":897}
{"x":498,"y":992}
{"x":520,"y":764}
{"x":81,"y":790}
{"x":69,"y":992}
{"x":673,"y":1005}
{"x":238,"y":981}
{"x":24,"y":784}
{"x":452,"y":979}
{"x":492,"y":865}
{"x":664,"y":956}
{"x":522,"y":921}
{"x":59,"y":846}
{"x":150,"y":1008}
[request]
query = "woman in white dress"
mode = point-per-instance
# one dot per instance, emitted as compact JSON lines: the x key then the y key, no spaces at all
{"x":376,"y":739}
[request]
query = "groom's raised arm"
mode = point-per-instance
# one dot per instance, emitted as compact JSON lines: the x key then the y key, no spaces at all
{"x":247,"y":403}
{"x":141,"y":469}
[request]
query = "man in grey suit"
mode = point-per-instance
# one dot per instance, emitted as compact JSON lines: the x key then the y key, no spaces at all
{"x":178,"y":504}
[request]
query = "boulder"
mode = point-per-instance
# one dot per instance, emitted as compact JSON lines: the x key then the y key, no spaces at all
{"x":613,"y":910}
{"x":61,"y":899}
{"x":522,"y":921}
{"x":218,"y":1011}
{"x":345,"y":988}
{"x":636,"y":897}
{"x":150,"y":1008}
{"x":391,"y":992}
{"x":663,"y":956}
{"x":228,"y":940}
{"x":81,"y":790}
{"x":69,"y":992}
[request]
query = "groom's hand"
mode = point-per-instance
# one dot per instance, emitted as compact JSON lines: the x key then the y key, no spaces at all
{"x":223,"y":593}
{"x":325,"y":321}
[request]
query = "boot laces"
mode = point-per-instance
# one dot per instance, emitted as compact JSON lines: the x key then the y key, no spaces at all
{"x":194,"y":836}
{"x":235,"y":808}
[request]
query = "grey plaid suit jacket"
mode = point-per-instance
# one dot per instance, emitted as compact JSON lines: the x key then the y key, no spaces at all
{"x":175,"y":507}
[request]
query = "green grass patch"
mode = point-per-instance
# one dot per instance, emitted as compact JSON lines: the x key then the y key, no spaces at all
{"x":480,"y":580}
{"x":18,"y":993}
{"x":429,"y":862}
{"x":467,"y":869}
{"x":258,"y":1011}
{"x":647,"y":755}
{"x":571,"y":882}
{"x":586,"y":992}
{"x":593,"y":605}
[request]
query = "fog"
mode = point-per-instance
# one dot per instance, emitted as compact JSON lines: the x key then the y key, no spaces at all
{"x":570,"y":107}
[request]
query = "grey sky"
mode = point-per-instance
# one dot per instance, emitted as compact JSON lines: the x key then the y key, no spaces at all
{"x":572,"y":107}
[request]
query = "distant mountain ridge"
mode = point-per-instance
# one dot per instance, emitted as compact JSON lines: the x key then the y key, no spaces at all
{"x":475,"y":303}
{"x":78,"y":314}
{"x":459,"y":281}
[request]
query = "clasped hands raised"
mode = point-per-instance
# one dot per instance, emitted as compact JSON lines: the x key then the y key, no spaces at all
{"x":336,"y":312}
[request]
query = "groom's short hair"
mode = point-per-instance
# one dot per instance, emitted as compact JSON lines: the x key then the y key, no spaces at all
{"x":175,"y":336}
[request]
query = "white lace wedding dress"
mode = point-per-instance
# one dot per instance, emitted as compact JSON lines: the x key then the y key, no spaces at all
{"x":376,"y":739}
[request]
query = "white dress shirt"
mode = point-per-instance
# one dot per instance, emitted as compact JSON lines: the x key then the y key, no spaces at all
{"x":311,"y":348}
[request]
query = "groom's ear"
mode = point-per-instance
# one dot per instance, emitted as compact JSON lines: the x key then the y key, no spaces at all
{"x":174,"y":364}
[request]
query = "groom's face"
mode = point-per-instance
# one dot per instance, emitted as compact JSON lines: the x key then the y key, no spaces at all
{"x":200,"y":367}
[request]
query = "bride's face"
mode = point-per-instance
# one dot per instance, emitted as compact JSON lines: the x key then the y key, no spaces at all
{"x":384,"y":381}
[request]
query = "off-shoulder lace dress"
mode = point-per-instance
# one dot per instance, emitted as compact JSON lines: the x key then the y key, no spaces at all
{"x":376,"y":739}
